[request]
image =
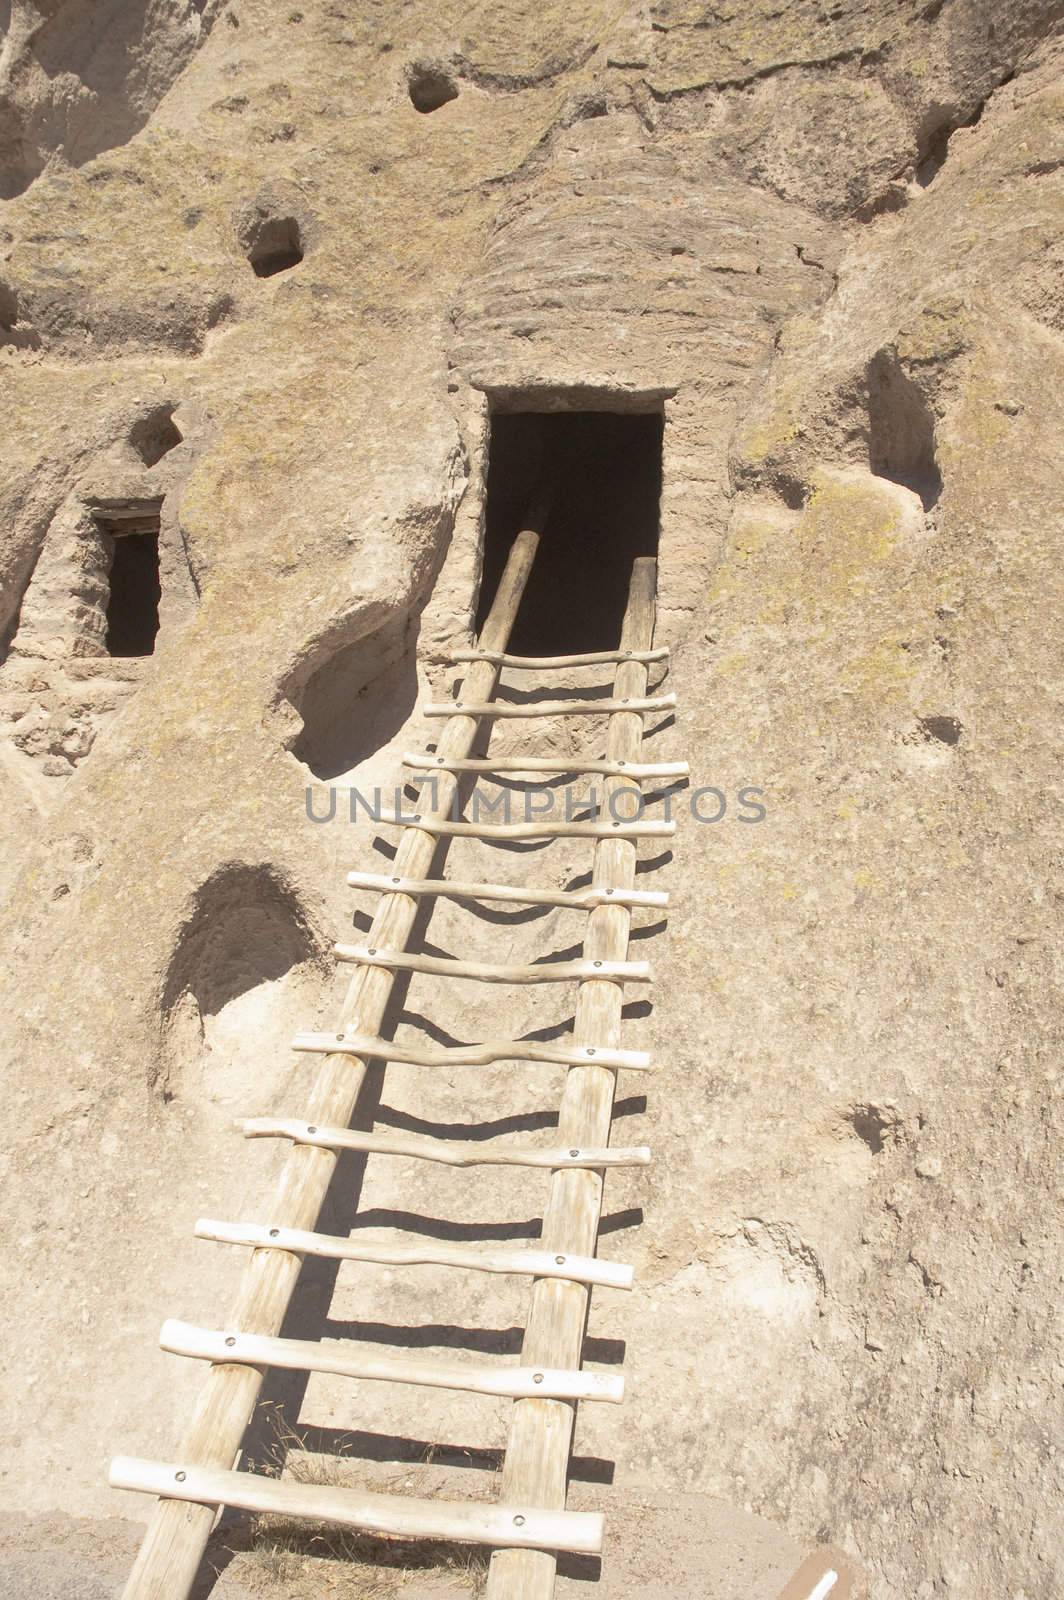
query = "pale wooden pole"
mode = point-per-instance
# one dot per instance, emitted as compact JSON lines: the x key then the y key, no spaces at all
{"x":537,"y":1454}
{"x":177,"y":1534}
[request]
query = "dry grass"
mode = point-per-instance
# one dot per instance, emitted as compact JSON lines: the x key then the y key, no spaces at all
{"x":314,"y":1558}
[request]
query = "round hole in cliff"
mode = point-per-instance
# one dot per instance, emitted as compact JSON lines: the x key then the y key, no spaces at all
{"x":155,"y":434}
{"x":945,"y":730}
{"x":430,"y":85}
{"x":275,"y":246}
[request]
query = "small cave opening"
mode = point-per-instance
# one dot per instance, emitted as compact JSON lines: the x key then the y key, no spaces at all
{"x":604,"y":469}
{"x":275,"y":246}
{"x":155,"y":434}
{"x":134,"y":587}
{"x":901,"y":430}
{"x":430,"y":86}
{"x":355,"y":698}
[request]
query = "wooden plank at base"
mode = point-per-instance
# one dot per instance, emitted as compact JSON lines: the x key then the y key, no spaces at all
{"x":392,"y":1515}
{"x":514,"y":894}
{"x":547,"y":708}
{"x":345,"y":1359}
{"x":337,"y":1247}
{"x":448,"y":1152}
{"x":481,"y":972}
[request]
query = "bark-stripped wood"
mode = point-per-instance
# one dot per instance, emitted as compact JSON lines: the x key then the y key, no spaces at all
{"x":547,"y":708}
{"x":345,"y":1359}
{"x":393,"y":1515}
{"x":540,"y":1439}
{"x":483,"y":972}
{"x":427,"y":760}
{"x":591,"y":658}
{"x":447,"y":1152}
{"x":513,"y":894}
{"x":370,"y":1048}
{"x":173,"y":1545}
{"x":614,"y":828}
{"x":331,"y":1247}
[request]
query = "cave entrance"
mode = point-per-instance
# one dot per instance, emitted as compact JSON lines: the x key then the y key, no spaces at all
{"x":605,"y":468}
{"x":134,"y":588}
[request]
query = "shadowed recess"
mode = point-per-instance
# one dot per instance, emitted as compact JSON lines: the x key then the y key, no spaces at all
{"x":605,"y":468}
{"x":901,"y":430}
{"x":275,"y":246}
{"x":355,"y":696}
{"x":430,"y":85}
{"x":155,"y":434}
{"x":245,"y":968}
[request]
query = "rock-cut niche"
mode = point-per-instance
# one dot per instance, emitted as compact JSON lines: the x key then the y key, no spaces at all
{"x":111,"y":575}
{"x":353,"y":695}
{"x":246,"y":973}
{"x":901,"y":430}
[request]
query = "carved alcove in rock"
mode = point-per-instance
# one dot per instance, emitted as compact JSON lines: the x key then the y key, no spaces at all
{"x":110,"y":580}
{"x":247,"y":967}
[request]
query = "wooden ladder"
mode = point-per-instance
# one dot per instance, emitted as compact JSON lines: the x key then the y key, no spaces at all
{"x":530,"y":1524}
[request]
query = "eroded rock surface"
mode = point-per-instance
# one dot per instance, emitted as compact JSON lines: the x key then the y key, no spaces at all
{"x":263,"y":272}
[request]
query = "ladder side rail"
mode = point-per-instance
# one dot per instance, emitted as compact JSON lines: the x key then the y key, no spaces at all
{"x":540,"y":1437}
{"x":176,"y":1537}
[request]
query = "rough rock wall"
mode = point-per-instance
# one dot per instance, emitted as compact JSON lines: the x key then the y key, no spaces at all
{"x":829,"y":244}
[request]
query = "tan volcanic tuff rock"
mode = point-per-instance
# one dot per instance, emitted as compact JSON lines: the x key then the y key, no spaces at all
{"x":266,"y":276}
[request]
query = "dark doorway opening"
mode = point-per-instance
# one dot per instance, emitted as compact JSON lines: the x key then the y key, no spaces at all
{"x":605,"y":469}
{"x":133,"y":604}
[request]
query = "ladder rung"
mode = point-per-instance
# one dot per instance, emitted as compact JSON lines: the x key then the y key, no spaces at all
{"x":394,"y":1515}
{"x":591,"y":658}
{"x":525,"y":830}
{"x":547,"y":708}
{"x":371,"y":1048}
{"x":574,"y":899}
{"x":346,"y":1359}
{"x":450,"y":1153}
{"x":581,"y":971}
{"x":510,"y":1263}
{"x":425,"y":761}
